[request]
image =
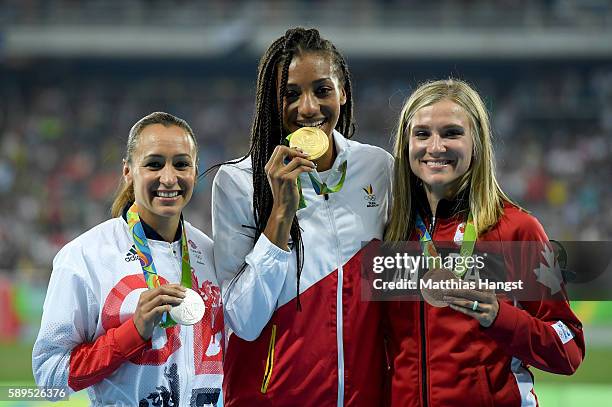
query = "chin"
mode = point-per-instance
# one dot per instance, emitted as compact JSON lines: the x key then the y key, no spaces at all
{"x":168,"y":212}
{"x":436,"y":182}
{"x":445,"y":187}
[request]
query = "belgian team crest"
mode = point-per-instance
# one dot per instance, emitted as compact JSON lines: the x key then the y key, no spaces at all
{"x":370,"y":197}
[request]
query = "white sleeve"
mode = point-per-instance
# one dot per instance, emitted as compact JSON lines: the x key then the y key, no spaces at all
{"x":70,"y":313}
{"x":249,"y":299}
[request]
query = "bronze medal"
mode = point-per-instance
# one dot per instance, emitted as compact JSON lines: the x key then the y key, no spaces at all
{"x":434,"y":297}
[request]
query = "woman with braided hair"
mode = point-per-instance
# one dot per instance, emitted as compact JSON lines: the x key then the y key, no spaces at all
{"x":288,"y":233}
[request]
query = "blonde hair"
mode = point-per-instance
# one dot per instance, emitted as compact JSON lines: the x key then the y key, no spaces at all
{"x":125,"y":192}
{"x":486,"y":199}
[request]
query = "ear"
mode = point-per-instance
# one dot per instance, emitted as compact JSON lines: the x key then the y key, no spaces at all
{"x":342,"y":96}
{"x":127,"y":173}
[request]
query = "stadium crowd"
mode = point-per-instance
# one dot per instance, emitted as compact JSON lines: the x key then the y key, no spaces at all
{"x":61,"y":138}
{"x":587,"y":14}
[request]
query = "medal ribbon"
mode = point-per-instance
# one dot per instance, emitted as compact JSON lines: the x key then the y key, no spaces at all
{"x":320,"y":188}
{"x":146,"y":258}
{"x":430,"y":251}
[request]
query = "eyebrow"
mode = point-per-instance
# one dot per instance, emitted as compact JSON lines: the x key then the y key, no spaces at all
{"x":447,"y":127}
{"x":161,"y":156}
{"x":315,"y":82}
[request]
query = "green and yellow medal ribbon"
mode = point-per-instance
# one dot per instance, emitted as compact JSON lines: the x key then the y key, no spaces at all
{"x":429,"y":249}
{"x":146,"y":258}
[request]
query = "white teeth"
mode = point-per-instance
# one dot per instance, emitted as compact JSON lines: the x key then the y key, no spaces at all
{"x":437,"y":163}
{"x":311,"y":124}
{"x":163,"y":194}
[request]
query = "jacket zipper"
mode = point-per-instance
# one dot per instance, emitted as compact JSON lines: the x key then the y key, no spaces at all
{"x":187,"y":341}
{"x":339,"y":310}
{"x":423,"y":354}
{"x":424,"y":334}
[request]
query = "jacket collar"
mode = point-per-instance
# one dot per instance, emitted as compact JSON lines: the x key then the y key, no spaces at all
{"x":343,"y":150}
{"x":150,"y":233}
{"x":447,"y":208}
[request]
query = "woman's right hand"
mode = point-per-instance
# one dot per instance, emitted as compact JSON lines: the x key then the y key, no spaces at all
{"x":152,"y":304}
{"x":283,"y":183}
{"x":283,"y":168}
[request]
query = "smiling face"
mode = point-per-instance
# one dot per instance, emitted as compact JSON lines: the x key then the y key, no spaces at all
{"x":314,"y":93}
{"x":163,"y":172}
{"x":440,"y":145}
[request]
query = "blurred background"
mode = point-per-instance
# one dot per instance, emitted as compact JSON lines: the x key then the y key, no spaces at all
{"x":75,"y":75}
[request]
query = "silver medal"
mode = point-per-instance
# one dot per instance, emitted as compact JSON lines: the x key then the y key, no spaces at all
{"x":190,"y":311}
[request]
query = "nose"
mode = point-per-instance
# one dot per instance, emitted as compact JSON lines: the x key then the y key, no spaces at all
{"x":167,"y":176}
{"x":308,"y":105}
{"x":436,"y":144}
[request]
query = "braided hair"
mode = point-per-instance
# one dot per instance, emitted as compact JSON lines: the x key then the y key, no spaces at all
{"x":267,"y":129}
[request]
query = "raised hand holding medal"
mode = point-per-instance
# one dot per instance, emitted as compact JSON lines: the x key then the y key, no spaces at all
{"x":479,"y":304}
{"x":314,"y":142}
{"x":436,"y":274}
{"x":190,"y":309}
{"x":283,"y":169}
{"x":153,"y":304}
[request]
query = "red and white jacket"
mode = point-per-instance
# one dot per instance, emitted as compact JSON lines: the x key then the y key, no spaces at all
{"x":87,"y":336}
{"x":332,"y":351}
{"x":440,"y":357}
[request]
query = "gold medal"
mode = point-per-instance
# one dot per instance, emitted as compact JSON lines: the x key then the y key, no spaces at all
{"x":434,"y":297}
{"x":311,"y":140}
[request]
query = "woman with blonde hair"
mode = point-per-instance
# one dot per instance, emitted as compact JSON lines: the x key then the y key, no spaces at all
{"x":463,"y":343}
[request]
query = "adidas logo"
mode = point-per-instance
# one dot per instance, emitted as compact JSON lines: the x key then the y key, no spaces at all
{"x":132,"y":255}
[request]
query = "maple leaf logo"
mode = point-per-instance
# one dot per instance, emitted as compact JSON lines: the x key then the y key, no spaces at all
{"x":549,"y":273}
{"x":458,"y":238}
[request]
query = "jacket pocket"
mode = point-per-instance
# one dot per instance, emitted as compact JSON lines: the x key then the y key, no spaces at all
{"x":269,"y":362}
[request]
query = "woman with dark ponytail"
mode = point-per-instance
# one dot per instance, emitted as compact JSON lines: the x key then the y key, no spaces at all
{"x":288,"y":233}
{"x":133,"y":310}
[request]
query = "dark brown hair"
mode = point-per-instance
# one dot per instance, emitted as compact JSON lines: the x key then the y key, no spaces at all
{"x":125,"y":192}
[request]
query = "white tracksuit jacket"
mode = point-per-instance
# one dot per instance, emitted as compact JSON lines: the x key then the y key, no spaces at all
{"x":330,"y":353}
{"x":87,"y":337}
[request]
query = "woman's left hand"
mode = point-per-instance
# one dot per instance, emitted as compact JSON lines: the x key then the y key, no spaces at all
{"x":481,"y":305}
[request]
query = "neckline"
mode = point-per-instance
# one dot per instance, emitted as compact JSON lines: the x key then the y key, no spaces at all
{"x":151,"y":233}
